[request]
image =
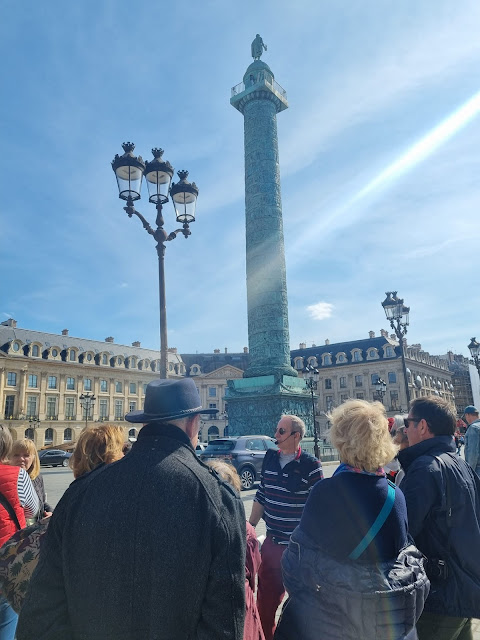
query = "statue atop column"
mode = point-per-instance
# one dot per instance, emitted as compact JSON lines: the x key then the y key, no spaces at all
{"x":257,"y":47}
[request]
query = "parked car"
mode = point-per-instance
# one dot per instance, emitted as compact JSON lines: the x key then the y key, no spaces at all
{"x":201,"y":446}
{"x":245,"y":453}
{"x":54,"y":458}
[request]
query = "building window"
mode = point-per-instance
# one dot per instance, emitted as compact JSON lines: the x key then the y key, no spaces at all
{"x":89,"y":357}
{"x":343,"y":382}
{"x":132,"y":363}
{"x":118,"y":409}
{"x":104,"y":359}
{"x":341,"y":358}
{"x":212,"y":392}
{"x":29,"y":433}
{"x":356,"y":356}
{"x":16,"y":346}
{"x":87,"y":384}
{"x":69,"y":408}
{"x":70,"y":384}
{"x":327,"y":359}
{"x":359,"y":396}
{"x":11,"y":379}
{"x":72,"y":355}
{"x":49,"y":436}
{"x":372,"y":353}
{"x":103,"y":411}
{"x":132,"y":405}
{"x":35,"y":350}
{"x":392,"y":377}
{"x":103,"y":386}
{"x":133,"y":387}
{"x":67,"y":435}
{"x":212,"y":405}
{"x":329,"y":402}
{"x":144,"y":388}
{"x":343,"y":397}
{"x":328,"y":383}
{"x":359,"y":381}
{"x":132,"y":433}
{"x":375,"y":378}
{"x":9,"y":406}
{"x":213,"y":433}
{"x":51,"y":408}
{"x":389,"y":352}
{"x":31,"y":406}
{"x":118,"y":387}
{"x":54,"y":353}
{"x":119,"y":361}
{"x":52,"y":382}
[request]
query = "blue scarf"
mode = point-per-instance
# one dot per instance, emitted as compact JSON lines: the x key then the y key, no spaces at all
{"x":346,"y":468}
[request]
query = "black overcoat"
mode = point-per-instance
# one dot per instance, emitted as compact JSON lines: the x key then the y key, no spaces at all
{"x":150,"y":547}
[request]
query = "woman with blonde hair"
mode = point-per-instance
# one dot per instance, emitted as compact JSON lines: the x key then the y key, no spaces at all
{"x":351,"y":553}
{"x":25,"y":455}
{"x":102,"y":444}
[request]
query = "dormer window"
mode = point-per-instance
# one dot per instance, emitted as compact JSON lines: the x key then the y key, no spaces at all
{"x":16,"y":346}
{"x":327,"y":359}
{"x":35,"y":350}
{"x":357,"y":356}
{"x":389,"y":352}
{"x":299,"y":363}
{"x":341,"y":357}
{"x":72,"y":355}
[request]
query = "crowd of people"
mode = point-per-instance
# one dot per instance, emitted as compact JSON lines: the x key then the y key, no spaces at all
{"x":154,"y":544}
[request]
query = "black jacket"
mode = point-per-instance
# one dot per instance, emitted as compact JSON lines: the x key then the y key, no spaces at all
{"x":459,"y":545}
{"x":151,"y":547}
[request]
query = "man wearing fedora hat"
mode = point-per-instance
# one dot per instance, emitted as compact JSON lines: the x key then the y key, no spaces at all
{"x":151,"y":546}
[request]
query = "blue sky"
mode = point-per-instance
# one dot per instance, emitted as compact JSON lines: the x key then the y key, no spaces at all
{"x":379,"y":151}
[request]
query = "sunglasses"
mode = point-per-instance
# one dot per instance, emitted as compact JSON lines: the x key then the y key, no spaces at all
{"x":282,"y":431}
{"x":406,"y":421}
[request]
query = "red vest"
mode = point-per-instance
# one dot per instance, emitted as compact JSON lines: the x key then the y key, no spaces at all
{"x":8,"y":486}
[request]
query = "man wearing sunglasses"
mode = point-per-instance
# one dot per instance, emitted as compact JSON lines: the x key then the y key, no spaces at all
{"x":443,"y":501}
{"x":287,"y":478}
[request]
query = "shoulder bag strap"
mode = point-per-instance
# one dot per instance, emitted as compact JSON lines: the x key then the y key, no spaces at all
{"x":377,"y":525}
{"x":10,"y":510}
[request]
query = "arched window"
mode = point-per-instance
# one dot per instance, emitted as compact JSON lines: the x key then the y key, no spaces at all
{"x":327,"y":359}
{"x":299,"y":363}
{"x":357,"y":356}
{"x":29,"y":433}
{"x":131,"y":363}
{"x":132,"y":433}
{"x":104,"y":359}
{"x":35,"y":350}
{"x":212,"y":433}
{"x":68,"y":435}
{"x":341,"y":357}
{"x":72,"y":355}
{"x":48,"y":436}
{"x":389,"y":352}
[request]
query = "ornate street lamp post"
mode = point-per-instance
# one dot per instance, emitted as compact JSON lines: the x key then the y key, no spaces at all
{"x":312,"y":384}
{"x":129,"y":170}
{"x":397,"y":314}
{"x":87,"y":401}
{"x":381,"y":389}
{"x":474,"y":347}
{"x":34,"y":422}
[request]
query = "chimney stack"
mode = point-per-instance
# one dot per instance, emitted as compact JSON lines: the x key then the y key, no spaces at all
{"x":245,"y":349}
{"x":10,"y":323}
{"x":64,"y":332}
{"x":226,"y":350}
{"x":136,"y":343}
{"x":216,"y":351}
{"x":371,"y":334}
{"x":109,"y":339}
{"x":327,"y":341}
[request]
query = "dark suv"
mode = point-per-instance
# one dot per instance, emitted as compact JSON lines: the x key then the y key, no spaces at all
{"x":245,"y":453}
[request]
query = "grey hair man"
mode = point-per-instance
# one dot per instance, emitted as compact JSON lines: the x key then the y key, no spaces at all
{"x":151,"y":546}
{"x":287,"y":478}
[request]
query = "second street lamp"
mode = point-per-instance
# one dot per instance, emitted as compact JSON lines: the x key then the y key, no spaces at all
{"x":129,"y":171}
{"x":381,"y":389}
{"x":474,"y":348}
{"x":312,"y":384}
{"x":87,"y":400}
{"x":397,"y":314}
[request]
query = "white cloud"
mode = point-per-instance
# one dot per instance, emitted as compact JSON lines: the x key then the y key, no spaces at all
{"x":320,"y":310}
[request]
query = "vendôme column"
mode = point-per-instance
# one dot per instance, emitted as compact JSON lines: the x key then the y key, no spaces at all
{"x":270,"y":386}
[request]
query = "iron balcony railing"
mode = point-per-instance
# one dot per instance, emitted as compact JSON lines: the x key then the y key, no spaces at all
{"x":239,"y":88}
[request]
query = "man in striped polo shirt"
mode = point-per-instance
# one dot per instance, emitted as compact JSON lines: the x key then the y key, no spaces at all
{"x":287,"y":478}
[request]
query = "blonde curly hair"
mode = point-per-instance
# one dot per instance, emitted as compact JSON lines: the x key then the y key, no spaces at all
{"x":360,"y":433}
